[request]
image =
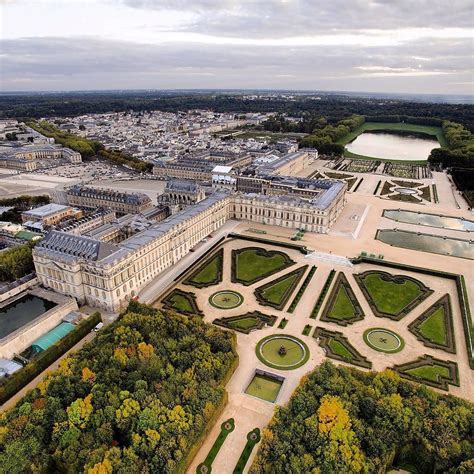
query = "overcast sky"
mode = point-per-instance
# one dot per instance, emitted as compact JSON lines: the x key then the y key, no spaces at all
{"x":416,"y":46}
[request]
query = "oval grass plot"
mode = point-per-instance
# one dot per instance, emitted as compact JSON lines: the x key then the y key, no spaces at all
{"x":383,"y":340}
{"x":282,"y":352}
{"x":226,"y":299}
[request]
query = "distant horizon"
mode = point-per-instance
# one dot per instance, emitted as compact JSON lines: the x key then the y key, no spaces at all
{"x":468,"y":99}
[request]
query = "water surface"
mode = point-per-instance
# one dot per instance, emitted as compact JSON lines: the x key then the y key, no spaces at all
{"x":21,"y":312}
{"x":432,"y":220}
{"x":392,"y":146}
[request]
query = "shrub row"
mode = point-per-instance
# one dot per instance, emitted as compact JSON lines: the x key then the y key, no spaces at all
{"x":218,"y":278}
{"x":188,"y":295}
{"x":317,"y":306}
{"x":42,"y":361}
{"x":300,"y":248}
{"x":427,"y":360}
{"x":461,"y":291}
{"x":358,"y":313}
{"x":252,"y":439}
{"x":400,"y":279}
{"x":302,"y":289}
{"x":288,"y":262}
{"x":196,"y":262}
{"x":414,"y":327}
{"x":263,"y":319}
{"x":226,"y":428}
{"x":358,"y":184}
{"x":259,"y":292}
{"x":377,"y":187}
{"x":325,"y":336}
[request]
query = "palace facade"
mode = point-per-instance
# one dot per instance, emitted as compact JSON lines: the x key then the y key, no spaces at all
{"x":107,"y":276}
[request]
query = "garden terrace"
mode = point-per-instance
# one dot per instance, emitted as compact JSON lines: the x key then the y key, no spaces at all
{"x":461,"y":294}
{"x":252,"y":264}
{"x":302,"y":289}
{"x":246,"y":322}
{"x":182,"y":302}
{"x":430,"y":371}
{"x":391,"y":296}
{"x":338,"y":347}
{"x":434,"y":328}
{"x":322,"y":295}
{"x":342,"y":307}
{"x":208,"y":273}
{"x":277,"y":293}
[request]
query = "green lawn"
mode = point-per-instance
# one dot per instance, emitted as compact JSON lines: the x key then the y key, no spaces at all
{"x":342,"y":307}
{"x":340,"y":349}
{"x":276,"y":293}
{"x":209,"y":272}
{"x":218,"y":443}
{"x":430,"y":372}
{"x":266,"y":388}
{"x":244,"y":323}
{"x":433,"y":328}
{"x":390,"y":297}
{"x":252,"y":267}
{"x":180,"y":303}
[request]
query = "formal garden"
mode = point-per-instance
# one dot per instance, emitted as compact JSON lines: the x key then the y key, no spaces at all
{"x":391,"y":296}
{"x":282,"y":351}
{"x":383,"y":340}
{"x":342,"y":307}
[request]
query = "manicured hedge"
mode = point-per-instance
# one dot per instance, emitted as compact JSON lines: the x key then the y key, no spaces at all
{"x":253,"y":438}
{"x":429,"y":361}
{"x":226,"y":428}
{"x":263,"y":319}
{"x":300,"y":248}
{"x":259,"y":292}
{"x":319,"y":302}
{"x":302,"y":289}
{"x":389,"y":278}
{"x":414,"y":326}
{"x":358,"y":313}
{"x":461,"y":290}
{"x":42,"y":361}
{"x":325,"y":336}
{"x":190,"y":298}
{"x":190,"y":280}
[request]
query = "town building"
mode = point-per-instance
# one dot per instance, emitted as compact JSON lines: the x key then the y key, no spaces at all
{"x":180,"y":193}
{"x":121,"y":202}
{"x":50,"y":214}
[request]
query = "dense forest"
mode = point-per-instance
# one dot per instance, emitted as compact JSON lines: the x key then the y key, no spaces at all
{"x":345,"y":420}
{"x":333,"y":107}
{"x":16,"y":262}
{"x":137,"y":399}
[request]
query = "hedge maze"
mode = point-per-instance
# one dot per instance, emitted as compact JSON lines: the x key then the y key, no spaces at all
{"x":430,"y":371}
{"x":337,"y":346}
{"x":252,"y":264}
{"x":342,"y":307}
{"x":182,"y":302}
{"x":246,"y":323}
{"x":434,"y":328}
{"x":391,"y":296}
{"x":208,"y":273}
{"x":277,"y":292}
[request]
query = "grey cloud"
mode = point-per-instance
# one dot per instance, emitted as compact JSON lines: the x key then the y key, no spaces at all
{"x":272,"y":19}
{"x":55,"y":63}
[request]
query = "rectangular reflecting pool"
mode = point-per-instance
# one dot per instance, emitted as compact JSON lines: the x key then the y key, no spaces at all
{"x":265,"y":386}
{"x":431,"y":220}
{"x":21,"y":312}
{"x":427,"y":243}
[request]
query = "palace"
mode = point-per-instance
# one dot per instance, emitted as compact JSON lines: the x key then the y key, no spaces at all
{"x":107,"y":275}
